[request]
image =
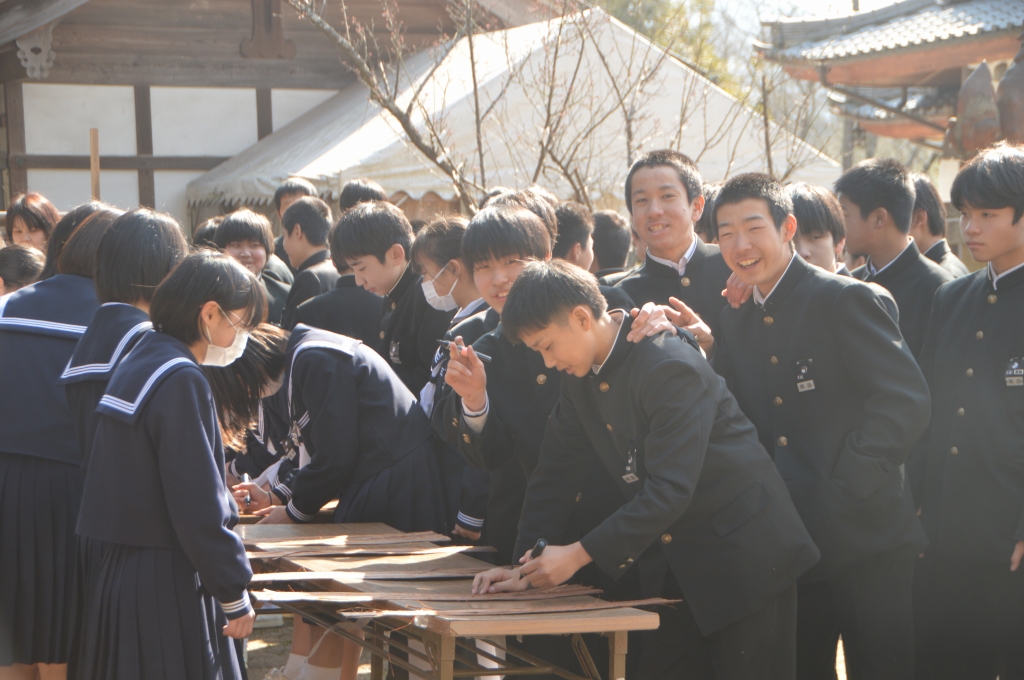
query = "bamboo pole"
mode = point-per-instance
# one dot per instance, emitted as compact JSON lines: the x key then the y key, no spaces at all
{"x":94,"y":161}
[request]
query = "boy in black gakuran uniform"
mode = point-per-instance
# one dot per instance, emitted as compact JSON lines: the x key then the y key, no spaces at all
{"x":968,"y":474}
{"x":704,"y":513}
{"x":819,"y":366}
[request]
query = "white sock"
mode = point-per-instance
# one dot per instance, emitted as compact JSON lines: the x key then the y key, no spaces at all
{"x":293,"y":669}
{"x":318,"y":673}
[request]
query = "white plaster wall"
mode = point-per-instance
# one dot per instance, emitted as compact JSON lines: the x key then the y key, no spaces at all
{"x":170,"y":193}
{"x":203,"y":121}
{"x":69,"y":188}
{"x":287,"y":105}
{"x":58,"y":118}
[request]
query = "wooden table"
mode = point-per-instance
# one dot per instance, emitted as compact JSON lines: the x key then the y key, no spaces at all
{"x":442,"y":634}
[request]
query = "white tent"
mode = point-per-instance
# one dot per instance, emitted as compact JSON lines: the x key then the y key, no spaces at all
{"x":570,"y":78}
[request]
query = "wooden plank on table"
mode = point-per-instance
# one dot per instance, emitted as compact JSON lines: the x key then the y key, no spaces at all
{"x":419,"y":596}
{"x":332,"y":540}
{"x":567,"y":605}
{"x":393,"y":550}
{"x":291,"y":532}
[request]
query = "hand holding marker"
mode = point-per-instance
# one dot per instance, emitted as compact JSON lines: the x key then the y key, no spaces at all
{"x":447,"y":345}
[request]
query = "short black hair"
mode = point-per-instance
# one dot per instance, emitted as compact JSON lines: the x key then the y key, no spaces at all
{"x":681,"y":163}
{"x":927,"y":198}
{"x":533,"y":201}
{"x":62,"y":232}
{"x":293,"y":185}
{"x":371,"y":229}
{"x":246,"y":225}
{"x":360,"y":190}
{"x":544,"y":293}
{"x":310,"y":213}
{"x":20,"y":266}
{"x":35,"y":210}
{"x":575,"y":225}
{"x":203,"y":236}
{"x":439,"y":241}
{"x":817,"y":211}
{"x":880,"y":183}
{"x":205,"y":276}
{"x":236,"y":387}
{"x":992,"y":179}
{"x":611,"y":239}
{"x":503,"y":231}
{"x":706,"y":224}
{"x":756,"y":185}
{"x":138,"y":251}
{"x":78,"y":256}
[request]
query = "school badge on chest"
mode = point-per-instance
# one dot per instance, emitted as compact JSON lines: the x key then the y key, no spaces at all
{"x":804,"y":375}
{"x":630,"y":475}
{"x":1015,"y":373}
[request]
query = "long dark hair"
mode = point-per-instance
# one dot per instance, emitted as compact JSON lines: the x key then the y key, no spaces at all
{"x":202,"y":277}
{"x":237,"y":387}
{"x":62,"y":232}
{"x":137,"y":252}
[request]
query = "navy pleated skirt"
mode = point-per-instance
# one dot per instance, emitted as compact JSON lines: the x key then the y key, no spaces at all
{"x":408,"y":496}
{"x":149,"y":618}
{"x":39,"y":501}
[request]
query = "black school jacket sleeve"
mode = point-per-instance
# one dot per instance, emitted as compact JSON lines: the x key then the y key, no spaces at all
{"x":410,"y":330}
{"x":317,"y":275}
{"x":349,"y":310}
{"x":838,"y":401}
{"x":941,"y":255}
{"x":912,"y":279}
{"x":696,"y":482}
{"x":700,"y":287}
{"x":968,"y":471}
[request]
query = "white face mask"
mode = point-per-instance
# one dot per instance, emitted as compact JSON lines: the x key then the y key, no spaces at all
{"x":444,"y":303}
{"x":224,"y":356}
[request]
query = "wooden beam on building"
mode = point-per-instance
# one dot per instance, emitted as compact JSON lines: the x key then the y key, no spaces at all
{"x":264,"y":112}
{"x":144,"y":145}
{"x":25,"y":161}
{"x":15,"y":107}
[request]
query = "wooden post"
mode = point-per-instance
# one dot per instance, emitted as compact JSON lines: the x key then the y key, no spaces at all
{"x":617,"y":647}
{"x":94,"y":161}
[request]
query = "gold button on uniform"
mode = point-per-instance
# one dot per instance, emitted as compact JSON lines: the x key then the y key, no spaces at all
{"x":622,"y":566}
{"x":541,"y":379}
{"x":774,"y":361}
{"x":685,"y":281}
{"x":960,"y":411}
{"x":979,"y":335}
{"x":465,"y":438}
{"x":393,"y":305}
{"x":579,"y":496}
{"x":455,"y":422}
{"x":629,"y":560}
{"x":970,"y":372}
{"x":992,"y":299}
{"x":604,"y":387}
{"x":609,"y":426}
{"x":382,"y":335}
{"x":768,"y":321}
{"x":778,"y":401}
{"x":783,"y":441}
{"x":954,"y":450}
{"x":666,"y":538}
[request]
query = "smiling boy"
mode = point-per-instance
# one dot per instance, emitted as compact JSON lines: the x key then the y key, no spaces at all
{"x":818,"y":365}
{"x":664,"y":199}
{"x":969,"y":478}
{"x":703,"y":514}
{"x":374,"y":239}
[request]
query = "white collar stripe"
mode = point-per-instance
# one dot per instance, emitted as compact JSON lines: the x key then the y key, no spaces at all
{"x":103,"y":368}
{"x":129,"y":407}
{"x":15,"y":322}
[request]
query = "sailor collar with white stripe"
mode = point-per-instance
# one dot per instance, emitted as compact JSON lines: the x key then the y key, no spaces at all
{"x":60,"y":306}
{"x":113,"y":331}
{"x":137,"y":377}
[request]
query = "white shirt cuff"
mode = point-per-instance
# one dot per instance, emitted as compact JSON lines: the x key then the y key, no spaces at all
{"x":477,"y":420}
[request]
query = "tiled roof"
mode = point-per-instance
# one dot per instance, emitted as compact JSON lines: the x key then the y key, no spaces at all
{"x":936,"y":23}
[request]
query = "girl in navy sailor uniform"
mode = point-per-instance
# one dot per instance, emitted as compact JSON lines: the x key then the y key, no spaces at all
{"x":437,"y":256}
{"x":40,"y":478}
{"x":170,"y":597}
{"x":137,"y":252}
